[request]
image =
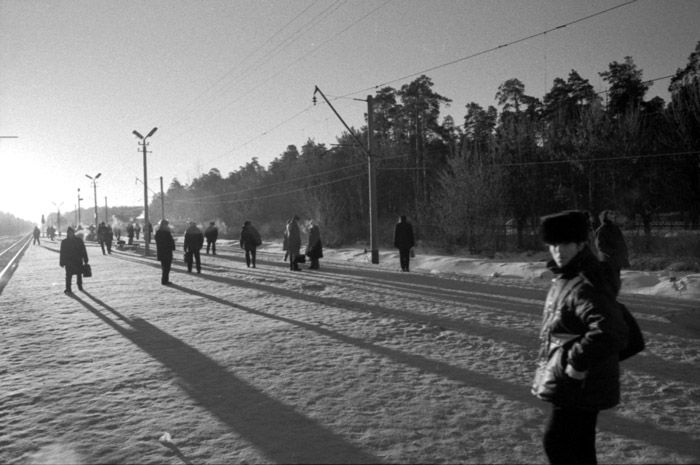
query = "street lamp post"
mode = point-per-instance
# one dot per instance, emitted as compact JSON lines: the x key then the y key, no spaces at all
{"x":79,"y":199}
{"x":143,"y":144}
{"x":94,"y":185}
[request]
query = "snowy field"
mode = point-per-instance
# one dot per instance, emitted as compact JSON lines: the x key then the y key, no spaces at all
{"x":354,"y":363}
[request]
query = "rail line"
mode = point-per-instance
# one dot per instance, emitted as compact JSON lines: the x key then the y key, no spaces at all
{"x":10,"y":257}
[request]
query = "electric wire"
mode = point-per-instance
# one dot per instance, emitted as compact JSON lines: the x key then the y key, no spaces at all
{"x":493,"y":49}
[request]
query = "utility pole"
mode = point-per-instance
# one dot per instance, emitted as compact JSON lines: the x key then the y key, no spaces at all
{"x":162,"y":200}
{"x":94,"y":185}
{"x":143,"y":144}
{"x":373,"y":216}
{"x":106,"y":211}
{"x":79,"y":199}
{"x":373,"y":213}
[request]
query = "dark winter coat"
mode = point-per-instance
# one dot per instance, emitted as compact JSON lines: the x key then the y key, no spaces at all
{"x":165,"y":244}
{"x":101,"y":233}
{"x":583,"y":327}
{"x":403,"y":235}
{"x":211,"y":234}
{"x":130,"y":230}
{"x":108,"y":235}
{"x":611,"y":244}
{"x":292,"y":237}
{"x":73,"y":254}
{"x":250,"y":238}
{"x":36,"y":232}
{"x":194,"y":239}
{"x":314,"y":249}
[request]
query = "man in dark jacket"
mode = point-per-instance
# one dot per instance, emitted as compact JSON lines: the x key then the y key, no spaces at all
{"x":211,"y":234}
{"x":582,"y":334}
{"x":165,"y":245}
{"x":314,"y":249}
{"x":72,"y":257}
{"x":612,"y":249}
{"x":404,"y":241}
{"x":250,"y":240}
{"x":292,"y":237}
{"x":101,"y":229}
{"x":193,"y":243}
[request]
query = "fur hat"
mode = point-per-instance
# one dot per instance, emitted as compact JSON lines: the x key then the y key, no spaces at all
{"x":564,"y":227}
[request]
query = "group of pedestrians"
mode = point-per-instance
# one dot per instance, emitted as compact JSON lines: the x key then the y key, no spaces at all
{"x":291,"y":245}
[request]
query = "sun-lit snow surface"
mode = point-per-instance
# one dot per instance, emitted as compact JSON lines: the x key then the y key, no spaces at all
{"x":660,"y":283}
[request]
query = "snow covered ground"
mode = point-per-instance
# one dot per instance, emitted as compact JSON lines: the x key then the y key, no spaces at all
{"x":354,"y":363}
{"x":658,"y":283}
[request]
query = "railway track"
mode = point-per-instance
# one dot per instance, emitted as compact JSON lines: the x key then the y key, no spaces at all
{"x":11,"y":250}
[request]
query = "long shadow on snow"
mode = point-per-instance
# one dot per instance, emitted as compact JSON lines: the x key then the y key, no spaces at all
{"x":682,"y":443}
{"x":281,"y":434}
{"x":667,"y":369}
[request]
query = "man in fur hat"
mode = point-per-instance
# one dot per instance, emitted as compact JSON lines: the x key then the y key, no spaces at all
{"x":582,"y":333}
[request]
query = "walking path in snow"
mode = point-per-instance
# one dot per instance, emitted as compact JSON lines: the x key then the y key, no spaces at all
{"x":351,"y":364}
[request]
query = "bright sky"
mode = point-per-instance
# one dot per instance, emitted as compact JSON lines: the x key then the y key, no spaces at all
{"x":228,"y":80}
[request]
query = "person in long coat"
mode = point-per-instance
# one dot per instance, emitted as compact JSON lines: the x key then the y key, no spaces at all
{"x":37,"y":235}
{"x":250,"y":240}
{"x":211,"y":234}
{"x":108,"y":238}
{"x":404,"y":241}
{"x":101,"y":236}
{"x":314,"y":249}
{"x":582,"y":333}
{"x":612,"y":249}
{"x":130,"y":233}
{"x":72,"y":257}
{"x":193,"y":243}
{"x":293,"y":238}
{"x":165,"y":246}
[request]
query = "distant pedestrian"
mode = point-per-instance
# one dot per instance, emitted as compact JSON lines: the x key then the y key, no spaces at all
{"x":148,"y":232}
{"x":193,"y":243}
{"x":285,"y":242}
{"x":293,"y":238}
{"x":108,"y":238}
{"x":211,"y":234}
{"x":137,"y":230}
{"x":130,"y":233}
{"x":250,"y":241}
{"x":117,"y":233}
{"x":404,"y":241}
{"x":37,"y":235}
{"x":582,"y":333}
{"x":612,"y":249}
{"x":52,"y":232}
{"x":72,"y":257}
{"x":314,"y":249}
{"x":101,"y":236}
{"x":165,"y":245}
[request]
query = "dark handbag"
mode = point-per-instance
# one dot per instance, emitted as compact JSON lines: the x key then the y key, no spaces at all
{"x":635,"y":338}
{"x":300,"y":259}
{"x":87,"y":271}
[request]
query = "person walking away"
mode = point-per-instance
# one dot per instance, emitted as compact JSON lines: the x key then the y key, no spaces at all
{"x":582,"y":332}
{"x":612,"y":249}
{"x":137,"y":230}
{"x":250,"y":240}
{"x":117,"y":231}
{"x":211,"y":234}
{"x":101,"y":236}
{"x":72,"y":257}
{"x":165,"y":246}
{"x":293,"y":235}
{"x":314,"y":249}
{"x":130,"y":233}
{"x":404,"y":241}
{"x":108,"y":238}
{"x":37,"y":235}
{"x":285,"y":242}
{"x":193,"y":243}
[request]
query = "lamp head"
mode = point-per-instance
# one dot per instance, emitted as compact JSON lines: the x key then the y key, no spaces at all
{"x":136,"y":133}
{"x":98,"y":175}
{"x":88,"y":176}
{"x":152,"y":132}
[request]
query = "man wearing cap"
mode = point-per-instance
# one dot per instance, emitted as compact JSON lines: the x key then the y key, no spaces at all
{"x":582,"y":333}
{"x":165,"y":245}
{"x":72,"y":256}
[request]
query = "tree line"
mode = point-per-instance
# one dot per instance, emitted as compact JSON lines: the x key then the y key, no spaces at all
{"x":481,"y":183}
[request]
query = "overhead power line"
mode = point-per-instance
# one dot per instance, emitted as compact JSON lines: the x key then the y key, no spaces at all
{"x":493,"y":49}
